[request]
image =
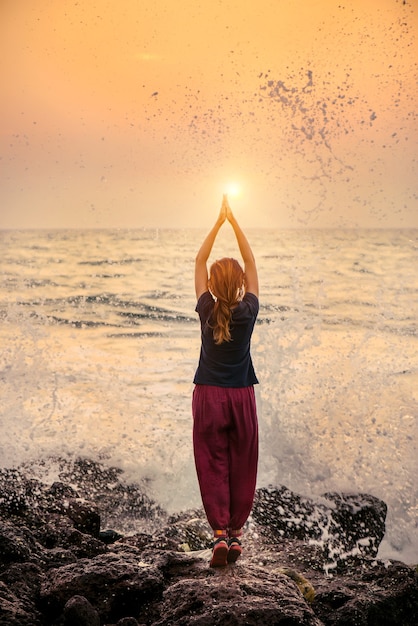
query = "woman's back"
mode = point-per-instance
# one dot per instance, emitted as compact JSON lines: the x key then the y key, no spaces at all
{"x":227,"y":364}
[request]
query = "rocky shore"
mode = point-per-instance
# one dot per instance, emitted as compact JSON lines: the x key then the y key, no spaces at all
{"x":72,"y":553}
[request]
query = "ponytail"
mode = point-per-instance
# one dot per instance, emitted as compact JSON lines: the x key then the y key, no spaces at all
{"x":222,"y":318}
{"x":226,"y":284}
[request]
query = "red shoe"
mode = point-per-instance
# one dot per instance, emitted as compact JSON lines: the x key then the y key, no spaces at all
{"x":219,"y":554}
{"x":235,"y":550}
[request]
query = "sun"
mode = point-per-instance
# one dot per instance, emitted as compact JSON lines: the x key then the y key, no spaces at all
{"x":232,"y":190}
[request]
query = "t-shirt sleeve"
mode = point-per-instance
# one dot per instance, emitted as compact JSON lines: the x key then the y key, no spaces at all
{"x":204,"y":300}
{"x":252,"y":302}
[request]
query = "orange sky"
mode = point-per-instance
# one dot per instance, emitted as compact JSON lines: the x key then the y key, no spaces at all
{"x":131,"y":115}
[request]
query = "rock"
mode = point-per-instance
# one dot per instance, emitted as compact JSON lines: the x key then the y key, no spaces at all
{"x":19,"y":589}
{"x":16,"y":544}
{"x":118,"y":585}
{"x":62,"y":491}
{"x":79,"y":612}
{"x":186,"y":531}
{"x":343,"y":526}
{"x":86,"y":517}
{"x":309,"y":562}
{"x":359,"y":522}
{"x":127,"y":621}
{"x":109,"y":536}
{"x":96,"y":483}
{"x":12,"y":612}
{"x":378,"y":594}
{"x":250,"y":598}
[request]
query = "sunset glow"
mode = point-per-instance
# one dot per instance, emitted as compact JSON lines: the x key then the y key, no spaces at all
{"x":127,"y":114}
{"x":233,"y":190}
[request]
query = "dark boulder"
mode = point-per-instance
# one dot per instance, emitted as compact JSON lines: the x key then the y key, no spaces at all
{"x":116,"y":584}
{"x":20,"y":585}
{"x":249,"y":596}
{"x":376,"y":594}
{"x":343,"y":526}
{"x":79,"y":612}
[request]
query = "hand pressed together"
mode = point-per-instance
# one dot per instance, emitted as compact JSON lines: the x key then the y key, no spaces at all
{"x":225,"y":207}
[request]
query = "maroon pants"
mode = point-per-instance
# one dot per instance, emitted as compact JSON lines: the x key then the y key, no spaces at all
{"x":225,"y":442}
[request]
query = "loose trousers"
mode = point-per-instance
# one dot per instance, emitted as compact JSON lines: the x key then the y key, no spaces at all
{"x":225,"y":443}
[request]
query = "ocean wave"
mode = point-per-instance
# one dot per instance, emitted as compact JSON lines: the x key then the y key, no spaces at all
{"x":79,"y":323}
{"x":128,"y":261}
{"x":134,"y":335}
{"x":397,"y":328}
{"x":157,"y":313}
{"x":106,"y":309}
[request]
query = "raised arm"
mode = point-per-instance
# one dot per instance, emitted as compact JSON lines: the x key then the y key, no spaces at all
{"x":250,"y":268}
{"x":201,"y":270}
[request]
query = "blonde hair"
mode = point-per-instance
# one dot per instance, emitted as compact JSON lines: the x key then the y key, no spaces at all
{"x":226,"y":283}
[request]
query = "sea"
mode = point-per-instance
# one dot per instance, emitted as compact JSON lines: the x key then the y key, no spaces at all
{"x":100,"y":340}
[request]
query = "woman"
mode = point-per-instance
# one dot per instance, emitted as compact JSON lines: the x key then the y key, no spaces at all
{"x":225,"y":430}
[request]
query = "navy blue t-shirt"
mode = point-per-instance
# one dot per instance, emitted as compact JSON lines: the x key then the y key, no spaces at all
{"x":228,"y":364}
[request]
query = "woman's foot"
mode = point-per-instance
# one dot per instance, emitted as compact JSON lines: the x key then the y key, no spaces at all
{"x":234,"y":551}
{"x":220,"y":553}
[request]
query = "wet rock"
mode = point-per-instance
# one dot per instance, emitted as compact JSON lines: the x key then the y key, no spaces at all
{"x":61,"y":490}
{"x":79,"y":612}
{"x":19,"y":588}
{"x":251,"y":598}
{"x":380,"y":594}
{"x":343,"y":526}
{"x":118,"y":585}
{"x":86,"y":517}
{"x":109,"y":536}
{"x":60,"y":533}
{"x":16,"y":544}
{"x":186,"y":531}
{"x":97,"y":483}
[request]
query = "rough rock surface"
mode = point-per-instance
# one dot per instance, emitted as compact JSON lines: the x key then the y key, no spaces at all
{"x":344,"y":526}
{"x":305,"y":562}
